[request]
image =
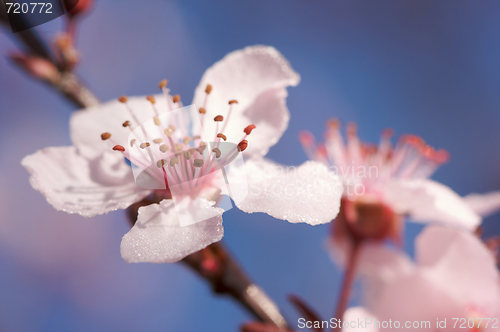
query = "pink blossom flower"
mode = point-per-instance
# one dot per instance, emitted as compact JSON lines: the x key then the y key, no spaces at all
{"x":454,"y":276}
{"x":244,"y":93}
{"x":397,"y":177}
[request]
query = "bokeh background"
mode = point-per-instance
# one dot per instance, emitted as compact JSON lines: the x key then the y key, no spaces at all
{"x":426,"y":67}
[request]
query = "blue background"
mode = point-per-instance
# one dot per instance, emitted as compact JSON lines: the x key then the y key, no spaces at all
{"x":430,"y":68}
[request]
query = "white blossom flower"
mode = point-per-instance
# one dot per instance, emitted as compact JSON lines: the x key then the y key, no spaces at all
{"x":243,"y":93}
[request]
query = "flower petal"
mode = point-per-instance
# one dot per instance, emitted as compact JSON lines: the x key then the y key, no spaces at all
{"x":309,"y":193}
{"x":430,"y":201}
{"x":257,"y":78}
{"x":484,"y":204}
{"x":462,"y":265}
{"x":158,"y":237}
{"x":86,"y":127}
{"x":72,"y":183}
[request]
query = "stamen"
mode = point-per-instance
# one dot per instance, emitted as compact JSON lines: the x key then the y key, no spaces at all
{"x":164,"y":148}
{"x":157,"y":121}
{"x":242,"y":146}
{"x":202,"y":110}
{"x":151,"y":99}
{"x":176,"y":98}
{"x":217,"y":152}
{"x":442,"y":156}
{"x":208,"y":89}
{"x":174,"y":161}
{"x":123,"y":99}
{"x":186,"y":140}
{"x":231,"y":102}
{"x":169,"y":132}
{"x":249,"y":129}
{"x":161,"y":162}
{"x":118,"y":148}
{"x":132,"y":142}
{"x":144,"y":145}
{"x":157,"y":140}
{"x":218,"y":118}
{"x":126,"y":124}
{"x":220,"y":135}
{"x":105,"y":136}
{"x":198,"y":162}
{"x":163,"y":84}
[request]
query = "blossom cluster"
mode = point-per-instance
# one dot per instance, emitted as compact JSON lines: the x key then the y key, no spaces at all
{"x":184,"y":166}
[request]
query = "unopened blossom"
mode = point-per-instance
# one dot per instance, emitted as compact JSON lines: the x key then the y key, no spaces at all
{"x":177,"y":155}
{"x":454,"y":276}
{"x":383,"y":183}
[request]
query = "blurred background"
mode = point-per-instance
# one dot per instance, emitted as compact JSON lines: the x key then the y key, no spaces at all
{"x":430,"y":68}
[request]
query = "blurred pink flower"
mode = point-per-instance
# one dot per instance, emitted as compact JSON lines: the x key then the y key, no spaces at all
{"x":454,"y":276}
{"x":90,"y":179}
{"x":396,"y":177}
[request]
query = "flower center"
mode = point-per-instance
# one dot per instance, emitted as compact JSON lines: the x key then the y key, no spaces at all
{"x":170,"y":151}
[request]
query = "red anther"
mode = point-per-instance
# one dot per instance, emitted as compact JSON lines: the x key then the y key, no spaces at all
{"x":428,"y":152}
{"x":220,"y":135}
{"x":249,"y":129}
{"x":176,"y":98}
{"x":306,"y":138}
{"x":242,"y":146}
{"x":333,"y":123}
{"x":123,"y":99}
{"x":218,"y":118}
{"x":126,"y":124}
{"x":234,"y":101}
{"x":118,"y":148}
{"x":413,"y":140}
{"x":442,"y":156}
{"x":208,"y":89}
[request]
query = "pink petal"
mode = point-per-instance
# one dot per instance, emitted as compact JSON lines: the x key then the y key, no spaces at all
{"x":86,"y":127}
{"x":73,"y":184}
{"x":358,"y":317}
{"x":415,"y":298}
{"x":430,"y":201}
{"x":484,"y":204}
{"x":256,"y":77}
{"x":309,"y":193}
{"x":158,"y":237}
{"x":461,"y":264}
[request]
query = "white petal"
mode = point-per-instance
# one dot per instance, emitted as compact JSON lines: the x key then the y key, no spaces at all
{"x":257,"y":78}
{"x":86,"y":127}
{"x":158,"y":237}
{"x":72,"y":183}
{"x":309,"y":193}
{"x":430,"y":201}
{"x":484,"y":204}
{"x":358,"y":317}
